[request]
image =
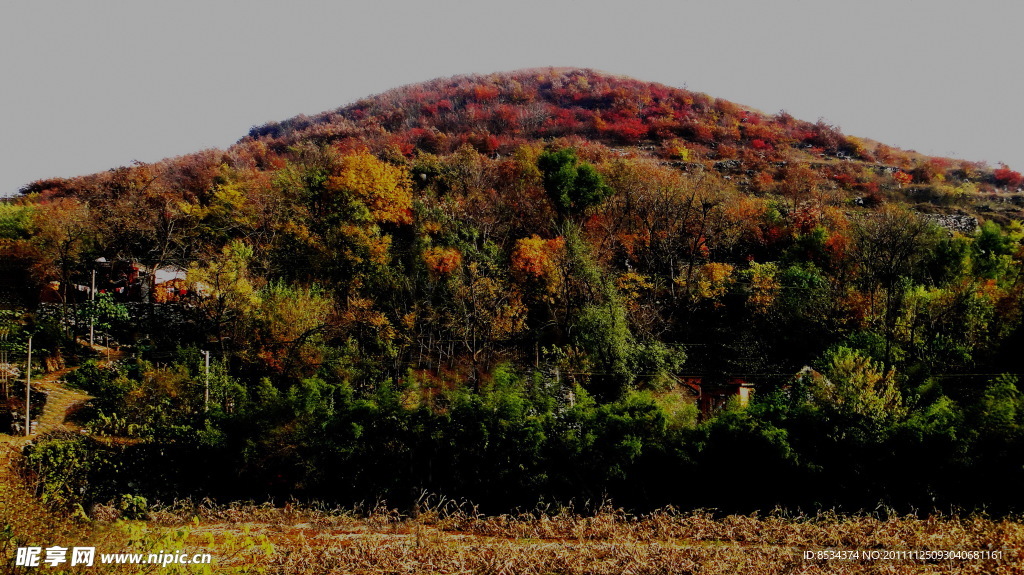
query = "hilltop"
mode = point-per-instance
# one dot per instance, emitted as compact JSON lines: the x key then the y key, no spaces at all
{"x":497,"y":113}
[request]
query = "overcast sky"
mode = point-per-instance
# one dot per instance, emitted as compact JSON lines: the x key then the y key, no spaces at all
{"x":88,"y":86}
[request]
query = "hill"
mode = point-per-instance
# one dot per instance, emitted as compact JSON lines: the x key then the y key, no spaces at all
{"x":495,"y":114}
{"x":498,"y":113}
{"x":550,"y":283}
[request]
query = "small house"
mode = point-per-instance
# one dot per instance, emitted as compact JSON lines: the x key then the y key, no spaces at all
{"x":712,"y":394}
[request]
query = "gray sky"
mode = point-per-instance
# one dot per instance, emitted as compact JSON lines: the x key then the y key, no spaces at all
{"x":88,"y":86}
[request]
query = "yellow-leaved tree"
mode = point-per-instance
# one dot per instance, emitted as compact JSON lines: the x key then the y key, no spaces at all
{"x":226,"y":287}
{"x":385,"y":190}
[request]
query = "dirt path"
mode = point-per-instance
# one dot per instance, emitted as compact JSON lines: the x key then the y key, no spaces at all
{"x":60,"y":402}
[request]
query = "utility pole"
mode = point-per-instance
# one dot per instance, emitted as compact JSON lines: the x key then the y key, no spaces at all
{"x":3,"y":361}
{"x":28,"y":388}
{"x":92,"y":315}
{"x":206,"y":393}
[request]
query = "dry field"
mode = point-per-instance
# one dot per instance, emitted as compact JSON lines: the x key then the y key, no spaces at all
{"x":450,"y":538}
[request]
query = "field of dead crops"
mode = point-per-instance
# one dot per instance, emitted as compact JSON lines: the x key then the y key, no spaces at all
{"x":444,"y":537}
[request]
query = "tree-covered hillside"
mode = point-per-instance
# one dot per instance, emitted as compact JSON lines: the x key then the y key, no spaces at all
{"x":531,"y":285}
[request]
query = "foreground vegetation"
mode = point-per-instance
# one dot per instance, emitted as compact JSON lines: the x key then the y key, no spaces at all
{"x":831,"y":439}
{"x":610,"y":542}
{"x":451,"y":538}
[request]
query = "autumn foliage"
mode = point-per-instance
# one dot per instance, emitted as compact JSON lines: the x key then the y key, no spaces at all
{"x":536,"y":258}
{"x":505,"y":287}
{"x":442,"y":260}
{"x":1008,"y":178}
{"x":385,"y":190}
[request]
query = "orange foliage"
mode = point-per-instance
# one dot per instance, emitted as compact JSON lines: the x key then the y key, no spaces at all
{"x":485,"y":93}
{"x":806,"y":217}
{"x":837,"y":245}
{"x":856,"y":306}
{"x":359,"y":313}
{"x":747,"y":216}
{"x":745,"y":209}
{"x":798,"y":180}
{"x":535,"y":257}
{"x":365,"y":245}
{"x":902,"y":178}
{"x":442,"y":260}
{"x":764,"y":182}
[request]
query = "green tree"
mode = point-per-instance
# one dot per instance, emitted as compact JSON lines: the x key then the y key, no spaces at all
{"x":15,"y":221}
{"x":991,"y":253}
{"x":1001,"y":406}
{"x":103,"y":312}
{"x":572,"y":185}
{"x":858,"y":388}
{"x":893,"y":246}
{"x":228,"y":289}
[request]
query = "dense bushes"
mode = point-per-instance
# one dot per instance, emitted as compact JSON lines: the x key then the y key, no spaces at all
{"x":822,"y":440}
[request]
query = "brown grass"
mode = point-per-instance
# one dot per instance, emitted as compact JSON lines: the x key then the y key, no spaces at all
{"x":445,"y":537}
